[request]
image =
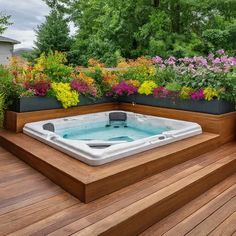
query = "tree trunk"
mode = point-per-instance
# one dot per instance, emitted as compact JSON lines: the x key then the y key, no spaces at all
{"x":156,"y":3}
{"x":176,"y":17}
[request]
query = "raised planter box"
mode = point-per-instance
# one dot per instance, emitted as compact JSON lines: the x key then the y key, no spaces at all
{"x":27,"y":104}
{"x":216,"y":107}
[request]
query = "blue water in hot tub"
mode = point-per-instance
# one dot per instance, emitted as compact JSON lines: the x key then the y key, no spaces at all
{"x":115,"y":132}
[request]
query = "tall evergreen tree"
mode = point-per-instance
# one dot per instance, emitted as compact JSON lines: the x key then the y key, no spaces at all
{"x":53,"y":34}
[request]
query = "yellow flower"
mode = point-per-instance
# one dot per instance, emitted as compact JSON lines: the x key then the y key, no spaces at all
{"x":185,"y":92}
{"x":210,"y":93}
{"x":152,"y":70}
{"x":147,"y":87}
{"x":65,"y":94}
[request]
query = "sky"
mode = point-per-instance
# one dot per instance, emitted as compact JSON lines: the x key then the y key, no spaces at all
{"x":25,"y":16}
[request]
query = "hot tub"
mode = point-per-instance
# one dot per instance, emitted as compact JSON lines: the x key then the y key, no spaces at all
{"x":99,"y":138}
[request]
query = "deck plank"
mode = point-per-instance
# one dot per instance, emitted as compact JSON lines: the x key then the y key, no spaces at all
{"x":226,"y":228}
{"x":40,"y":207}
{"x":154,"y":205}
{"x":219,"y":216}
{"x":177,"y":217}
{"x":80,"y":217}
{"x":203,"y":213}
{"x":90,"y":183}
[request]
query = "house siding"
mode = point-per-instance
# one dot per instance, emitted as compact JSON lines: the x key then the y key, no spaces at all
{"x":6,"y":51}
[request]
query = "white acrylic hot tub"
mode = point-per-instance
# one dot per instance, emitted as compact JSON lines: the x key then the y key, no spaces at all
{"x":93,"y":139}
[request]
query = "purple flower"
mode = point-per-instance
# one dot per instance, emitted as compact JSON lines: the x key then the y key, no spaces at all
{"x":232,"y":61}
{"x":211,"y":56}
{"x":124,"y":88}
{"x":157,"y":60}
{"x":40,"y":88}
{"x":109,"y":94}
{"x":160,"y":92}
{"x":221,"y":52}
{"x":186,"y":60}
{"x":171,"y":60}
{"x":190,"y":66}
{"x":217,"y":60}
{"x":83,"y":88}
{"x":197,"y":94}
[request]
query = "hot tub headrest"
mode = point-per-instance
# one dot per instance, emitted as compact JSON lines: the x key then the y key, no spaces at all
{"x":117,"y":116}
{"x":49,"y":127}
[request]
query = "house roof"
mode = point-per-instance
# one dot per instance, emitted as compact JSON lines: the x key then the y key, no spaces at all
{"x":8,"y":40}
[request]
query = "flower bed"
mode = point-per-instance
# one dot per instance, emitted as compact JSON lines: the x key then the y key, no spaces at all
{"x":203,"y":84}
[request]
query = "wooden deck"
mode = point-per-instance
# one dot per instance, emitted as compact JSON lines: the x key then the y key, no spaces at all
{"x":30,"y":204}
{"x":89,"y":183}
{"x":213,"y":214}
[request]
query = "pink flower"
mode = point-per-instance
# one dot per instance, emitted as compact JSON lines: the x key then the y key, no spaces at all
{"x":160,"y":92}
{"x":83,"y":88}
{"x":197,"y":94}
{"x":124,"y":89}
{"x":171,"y":60}
{"x":221,"y":52}
{"x":40,"y":88}
{"x":157,"y":60}
{"x":211,"y":56}
{"x":217,"y":60}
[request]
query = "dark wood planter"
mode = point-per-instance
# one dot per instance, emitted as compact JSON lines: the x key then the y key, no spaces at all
{"x":216,"y":107}
{"x":27,"y":104}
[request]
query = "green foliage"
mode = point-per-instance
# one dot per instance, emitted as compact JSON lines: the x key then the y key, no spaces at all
{"x":230,"y":83}
{"x":166,"y":76}
{"x":216,"y":38}
{"x":4,"y":22}
{"x":148,"y":27}
{"x":173,"y":86}
{"x":53,"y":34}
{"x":9,"y":91}
{"x":53,"y":65}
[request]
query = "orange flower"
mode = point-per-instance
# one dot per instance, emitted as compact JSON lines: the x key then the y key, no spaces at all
{"x":87,"y":79}
{"x":95,"y":63}
{"x":110,"y":78}
{"x":133,"y":82}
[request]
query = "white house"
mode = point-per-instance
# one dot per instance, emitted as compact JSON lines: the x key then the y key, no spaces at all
{"x":6,"y":49}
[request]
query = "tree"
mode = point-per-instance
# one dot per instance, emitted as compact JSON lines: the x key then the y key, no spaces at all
{"x":4,"y":22}
{"x":132,"y":28}
{"x":53,"y":34}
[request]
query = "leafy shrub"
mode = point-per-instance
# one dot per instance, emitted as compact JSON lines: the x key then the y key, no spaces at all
{"x":9,"y":89}
{"x":216,"y":37}
{"x":147,"y":87}
{"x":53,"y":65}
{"x":65,"y":94}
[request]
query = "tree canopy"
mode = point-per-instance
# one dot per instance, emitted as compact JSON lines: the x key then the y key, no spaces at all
{"x":53,"y":34}
{"x":131,"y":28}
{"x":4,"y":22}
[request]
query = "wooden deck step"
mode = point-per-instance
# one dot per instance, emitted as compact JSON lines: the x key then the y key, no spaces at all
{"x":209,"y":214}
{"x":89,"y":183}
{"x":141,"y":214}
{"x":134,"y":208}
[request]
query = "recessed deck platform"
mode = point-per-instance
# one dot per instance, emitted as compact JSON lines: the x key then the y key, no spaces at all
{"x":89,"y":183}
